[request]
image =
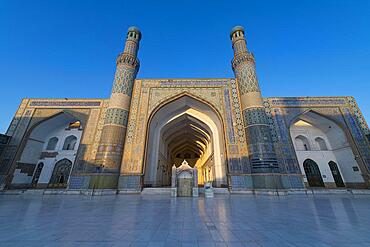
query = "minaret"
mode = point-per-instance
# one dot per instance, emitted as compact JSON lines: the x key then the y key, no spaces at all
{"x":260,"y":146}
{"x":111,"y":144}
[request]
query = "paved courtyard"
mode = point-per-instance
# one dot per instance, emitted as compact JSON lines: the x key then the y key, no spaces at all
{"x":133,"y":220}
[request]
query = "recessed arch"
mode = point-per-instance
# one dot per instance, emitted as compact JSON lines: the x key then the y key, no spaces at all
{"x":328,"y":142}
{"x":52,"y":143}
{"x":61,"y":172}
{"x":70,"y":142}
{"x":40,"y":144}
{"x":301,"y":142}
{"x":182,"y":127}
{"x":321,"y":143}
{"x":313,"y":173}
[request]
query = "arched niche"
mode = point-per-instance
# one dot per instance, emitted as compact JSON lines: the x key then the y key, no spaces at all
{"x":328,"y":142}
{"x":183,"y":127}
{"x":44,"y":143}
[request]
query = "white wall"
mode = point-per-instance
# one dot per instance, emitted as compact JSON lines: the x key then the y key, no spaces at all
{"x":338,"y":151}
{"x":37,"y":143}
{"x":49,"y":163}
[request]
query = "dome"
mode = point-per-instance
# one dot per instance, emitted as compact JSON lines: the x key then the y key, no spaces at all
{"x":134,"y":29}
{"x":235,"y":29}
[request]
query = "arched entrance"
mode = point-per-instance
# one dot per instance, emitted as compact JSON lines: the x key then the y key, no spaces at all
{"x":336,"y":174}
{"x":313,"y":173}
{"x":319,"y":138}
{"x":61,"y":173}
{"x":190,"y":129}
{"x":44,"y":143}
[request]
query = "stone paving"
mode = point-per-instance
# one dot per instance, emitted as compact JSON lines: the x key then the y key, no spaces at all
{"x":134,"y":220}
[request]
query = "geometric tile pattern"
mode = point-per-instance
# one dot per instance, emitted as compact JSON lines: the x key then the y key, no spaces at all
{"x":229,"y":119}
{"x":124,"y":80}
{"x":247,"y":78}
{"x":116,"y":116}
{"x":255,"y":115}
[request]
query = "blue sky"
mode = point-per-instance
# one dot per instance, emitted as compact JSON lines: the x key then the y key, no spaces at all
{"x":68,"y":48}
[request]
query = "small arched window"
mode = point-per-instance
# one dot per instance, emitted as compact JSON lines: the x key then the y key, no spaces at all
{"x":321,"y":143}
{"x":302,"y":143}
{"x":52,"y":143}
{"x":70,"y":143}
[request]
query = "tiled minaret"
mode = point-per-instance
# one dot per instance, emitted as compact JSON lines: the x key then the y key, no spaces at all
{"x":260,"y":146}
{"x":111,"y":144}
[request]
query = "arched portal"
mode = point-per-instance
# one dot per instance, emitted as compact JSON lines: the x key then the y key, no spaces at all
{"x":321,"y":139}
{"x":336,"y":174}
{"x":313,"y":173}
{"x":185,"y":128}
{"x":54,"y":138}
{"x":61,"y":172}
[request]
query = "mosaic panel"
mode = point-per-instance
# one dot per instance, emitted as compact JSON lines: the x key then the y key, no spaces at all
{"x":133,"y":112}
{"x":237,"y":110}
{"x":63,"y":103}
{"x":116,"y":116}
{"x":362,"y":144}
{"x":306,"y":101}
{"x":193,"y":83}
{"x":148,"y":94}
{"x":99,"y":129}
{"x":261,"y":149}
{"x":255,"y":115}
{"x":247,"y":79}
{"x":124,"y":80}
{"x":230,"y":129}
{"x":286,"y":149}
{"x":358,"y":115}
{"x":160,"y":95}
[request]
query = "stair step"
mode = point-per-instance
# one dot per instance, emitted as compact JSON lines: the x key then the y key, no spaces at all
{"x":157,"y":191}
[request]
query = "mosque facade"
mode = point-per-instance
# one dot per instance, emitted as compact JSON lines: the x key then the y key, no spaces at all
{"x":235,"y":139}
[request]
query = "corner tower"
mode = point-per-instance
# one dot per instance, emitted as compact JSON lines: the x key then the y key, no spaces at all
{"x":260,"y":145}
{"x":111,"y":144}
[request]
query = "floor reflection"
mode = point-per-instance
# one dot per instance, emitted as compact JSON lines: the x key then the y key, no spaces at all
{"x":134,"y":220}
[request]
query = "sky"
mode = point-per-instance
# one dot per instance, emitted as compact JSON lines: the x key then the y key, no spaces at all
{"x":67,"y":49}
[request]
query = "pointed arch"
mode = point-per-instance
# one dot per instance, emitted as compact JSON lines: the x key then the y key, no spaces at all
{"x":61,"y":172}
{"x":197,"y":120}
{"x":321,"y":143}
{"x":330,"y":142}
{"x":52,"y":143}
{"x":70,"y":143}
{"x":313,"y":173}
{"x":301,"y":142}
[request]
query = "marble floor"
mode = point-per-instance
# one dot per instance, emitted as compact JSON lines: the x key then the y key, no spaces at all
{"x":134,"y":220}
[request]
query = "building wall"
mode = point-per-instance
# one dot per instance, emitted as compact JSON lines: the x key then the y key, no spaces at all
{"x":49,"y":163}
{"x":344,"y":113}
{"x":338,"y":151}
{"x":33,"y":112}
{"x":222,"y":94}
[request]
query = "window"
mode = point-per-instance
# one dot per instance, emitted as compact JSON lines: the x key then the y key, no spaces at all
{"x":302,"y":144}
{"x":305,"y":147}
{"x":70,"y":143}
{"x":52,"y":143}
{"x":321,"y":143}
